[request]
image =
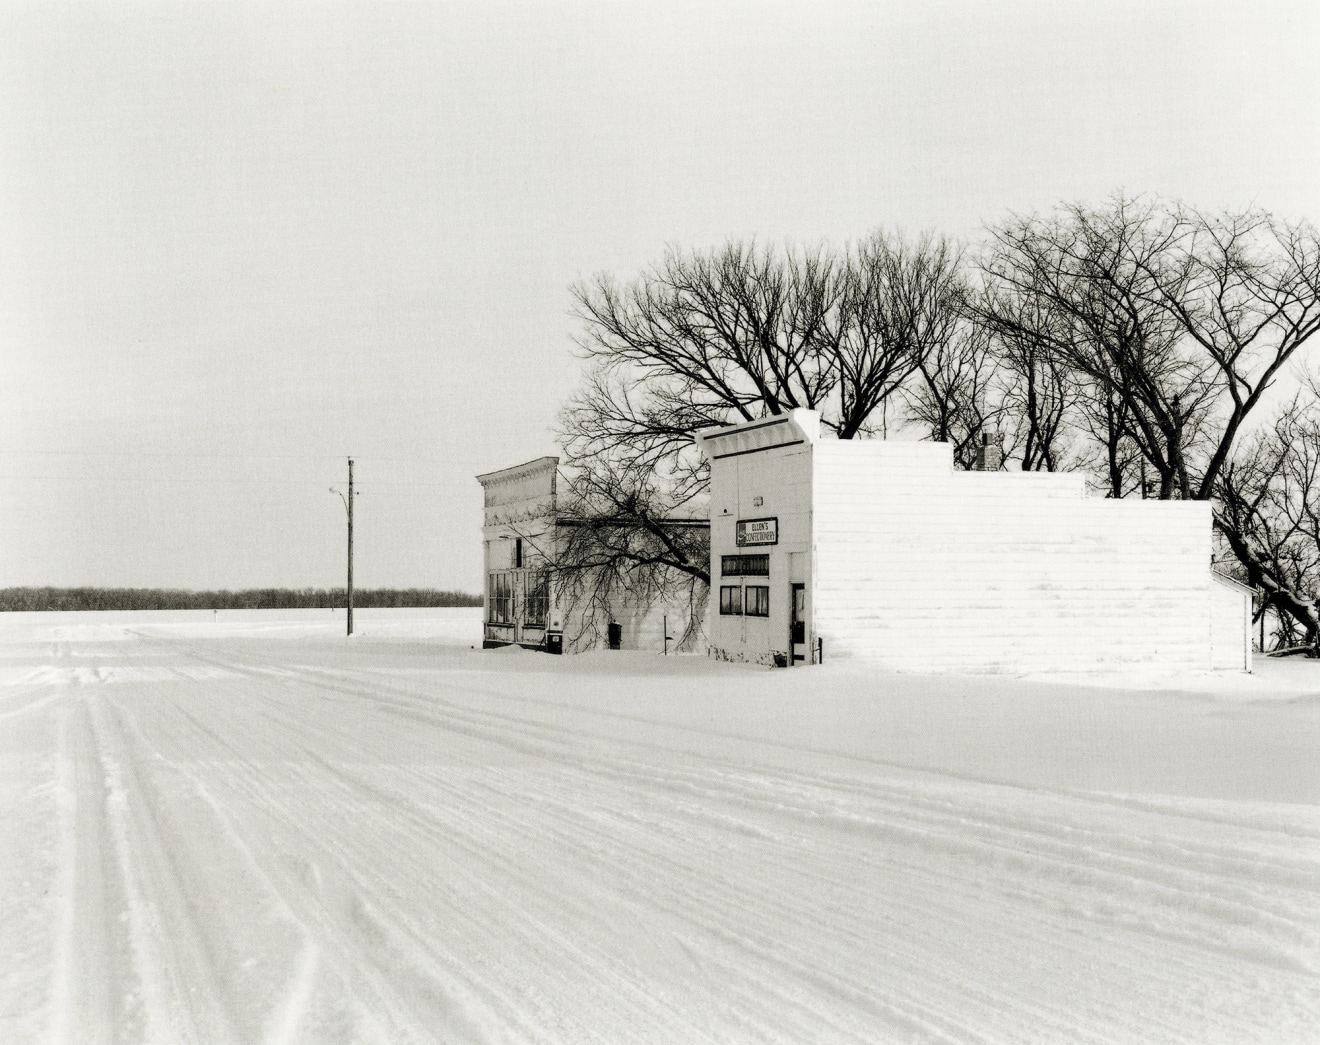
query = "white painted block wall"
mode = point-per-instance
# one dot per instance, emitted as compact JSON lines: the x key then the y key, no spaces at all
{"x":927,"y":568}
{"x":642,"y":627}
{"x":1230,"y":624}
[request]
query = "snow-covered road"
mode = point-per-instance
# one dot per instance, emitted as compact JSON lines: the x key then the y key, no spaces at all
{"x":258,"y":831}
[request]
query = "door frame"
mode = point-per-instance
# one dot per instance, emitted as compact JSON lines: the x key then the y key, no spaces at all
{"x":794,"y":620}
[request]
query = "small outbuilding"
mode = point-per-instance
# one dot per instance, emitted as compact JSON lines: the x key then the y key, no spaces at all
{"x":884,"y":550}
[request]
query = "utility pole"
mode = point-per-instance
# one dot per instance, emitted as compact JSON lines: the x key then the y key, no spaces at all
{"x":348,"y":506}
{"x":350,"y":546}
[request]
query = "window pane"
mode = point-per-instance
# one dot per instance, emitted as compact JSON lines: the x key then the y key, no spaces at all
{"x":538,"y":598}
{"x":758,"y":600}
{"x":756,"y":565}
{"x":745,"y":565}
{"x":501,"y":598}
{"x":730,"y":600}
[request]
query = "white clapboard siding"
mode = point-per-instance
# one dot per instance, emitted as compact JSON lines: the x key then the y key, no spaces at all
{"x":927,"y":568}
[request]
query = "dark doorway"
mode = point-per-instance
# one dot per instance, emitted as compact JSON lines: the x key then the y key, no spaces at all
{"x":797,"y":623}
{"x":615,"y":634}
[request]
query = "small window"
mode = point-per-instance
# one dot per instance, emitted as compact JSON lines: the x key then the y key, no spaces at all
{"x":758,"y":600}
{"x":538,"y":598}
{"x":517,"y":553}
{"x":501,"y":598}
{"x":745,"y":565}
{"x":731,"y":600}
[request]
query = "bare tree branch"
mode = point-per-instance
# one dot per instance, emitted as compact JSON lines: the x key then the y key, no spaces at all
{"x":1267,"y":510}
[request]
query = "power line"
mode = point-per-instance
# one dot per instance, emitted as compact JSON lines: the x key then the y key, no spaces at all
{"x":157,"y":479}
{"x":238,"y":457}
{"x":208,"y":482}
{"x":173,"y":453}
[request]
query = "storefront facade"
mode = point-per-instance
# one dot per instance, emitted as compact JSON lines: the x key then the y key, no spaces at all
{"x":518,"y":542}
{"x":761,"y":543}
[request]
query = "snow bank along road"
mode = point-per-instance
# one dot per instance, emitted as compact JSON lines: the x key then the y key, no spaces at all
{"x":259,"y":831}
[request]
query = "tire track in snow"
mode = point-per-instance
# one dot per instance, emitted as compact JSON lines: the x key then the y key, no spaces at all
{"x":88,"y":992}
{"x":182,"y":1000}
{"x":285,"y":1023}
{"x":607,"y":819}
{"x":1080,"y":862}
{"x":808,"y":969}
{"x":1052,"y":849}
{"x":403,"y":916}
{"x":1081,"y":856}
{"x":463,"y":833}
{"x":329,"y":907}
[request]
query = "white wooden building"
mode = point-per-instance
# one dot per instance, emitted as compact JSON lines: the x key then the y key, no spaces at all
{"x":525,"y":604}
{"x":518,"y":551}
{"x":883,"y":550}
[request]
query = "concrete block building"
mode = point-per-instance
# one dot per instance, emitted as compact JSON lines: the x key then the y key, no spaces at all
{"x":883,"y":550}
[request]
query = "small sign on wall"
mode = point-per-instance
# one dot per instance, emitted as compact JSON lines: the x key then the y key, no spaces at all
{"x":753,"y":532}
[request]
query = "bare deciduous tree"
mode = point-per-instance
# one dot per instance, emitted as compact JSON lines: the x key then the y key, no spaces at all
{"x":1178,"y":321}
{"x":740,"y":333}
{"x":1246,"y":290}
{"x":1039,"y":394}
{"x":698,"y":341}
{"x":1080,"y":284}
{"x":955,"y":399}
{"x":616,"y":538}
{"x":1267,"y":509}
{"x":1113,"y":455}
{"x":898,"y":306}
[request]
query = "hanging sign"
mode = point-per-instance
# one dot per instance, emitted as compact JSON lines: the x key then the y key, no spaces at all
{"x":753,"y":532}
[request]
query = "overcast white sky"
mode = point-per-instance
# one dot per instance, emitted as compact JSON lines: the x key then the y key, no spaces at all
{"x":239,"y":243}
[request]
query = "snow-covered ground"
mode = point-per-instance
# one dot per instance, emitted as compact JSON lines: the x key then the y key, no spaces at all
{"x":244,"y":827}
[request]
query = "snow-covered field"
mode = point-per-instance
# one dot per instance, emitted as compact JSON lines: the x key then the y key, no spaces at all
{"x":247,"y":828}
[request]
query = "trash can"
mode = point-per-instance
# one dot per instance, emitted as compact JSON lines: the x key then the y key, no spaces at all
{"x":554,"y":642}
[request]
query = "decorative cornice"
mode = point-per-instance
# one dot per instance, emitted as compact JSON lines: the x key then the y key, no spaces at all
{"x":767,"y":433}
{"x":520,"y":471}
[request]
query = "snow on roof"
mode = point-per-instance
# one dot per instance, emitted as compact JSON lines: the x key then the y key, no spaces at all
{"x":1230,"y":582}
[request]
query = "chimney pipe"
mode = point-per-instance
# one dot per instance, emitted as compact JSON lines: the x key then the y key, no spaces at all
{"x":988,"y":457}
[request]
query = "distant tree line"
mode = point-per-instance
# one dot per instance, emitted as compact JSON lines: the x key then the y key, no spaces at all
{"x":32,"y":600}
